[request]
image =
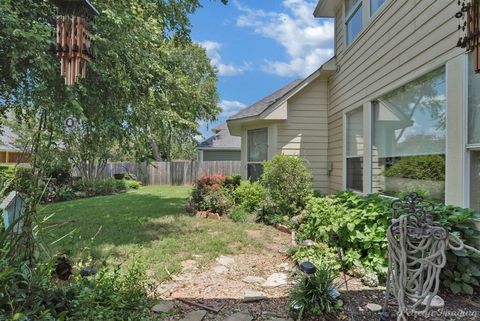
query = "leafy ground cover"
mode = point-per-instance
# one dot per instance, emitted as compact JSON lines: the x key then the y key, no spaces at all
{"x":149,"y":225}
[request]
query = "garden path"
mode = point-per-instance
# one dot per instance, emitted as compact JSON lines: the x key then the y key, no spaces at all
{"x":253,"y":285}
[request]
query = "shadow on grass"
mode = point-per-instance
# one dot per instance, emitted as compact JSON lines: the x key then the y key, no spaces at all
{"x":126,"y":219}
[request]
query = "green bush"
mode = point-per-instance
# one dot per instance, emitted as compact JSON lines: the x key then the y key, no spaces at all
{"x":250,"y":196}
{"x":318,"y":254}
{"x":6,"y":175}
{"x":233,"y":181}
{"x":131,"y":184}
{"x":428,"y":167}
{"x":239,"y":214}
{"x":289,"y":186}
{"x":311,"y":296}
{"x":361,"y":224}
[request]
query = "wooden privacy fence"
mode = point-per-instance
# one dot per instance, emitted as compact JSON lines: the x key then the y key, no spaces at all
{"x":172,"y":173}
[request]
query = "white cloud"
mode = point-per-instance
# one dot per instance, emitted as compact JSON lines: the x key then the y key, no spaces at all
{"x":231,"y":107}
{"x":308,"y":41}
{"x":213,"y":51}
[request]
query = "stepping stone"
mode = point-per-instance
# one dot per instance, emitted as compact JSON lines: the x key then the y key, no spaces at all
{"x":220,"y":269}
{"x":240,"y":316}
{"x":280,"y":319}
{"x":195,"y":316}
{"x":437,"y":301}
{"x":225,"y":260}
{"x":253,"y":296}
{"x":253,"y":280}
{"x":276,"y":280}
{"x":374,"y":307}
{"x":163,"y":307}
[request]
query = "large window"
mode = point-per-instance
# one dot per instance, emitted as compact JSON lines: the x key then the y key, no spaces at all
{"x":354,"y":149}
{"x":473,"y":104}
{"x":375,"y":5}
{"x":474,"y":133}
{"x":257,"y":149}
{"x":408,"y":152}
{"x":353,"y":18}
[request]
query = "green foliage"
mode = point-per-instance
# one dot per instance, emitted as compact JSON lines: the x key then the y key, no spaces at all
{"x":239,"y":214}
{"x":250,"y":196}
{"x":289,"y":186}
{"x":131,"y":184}
{"x":318,"y":254}
{"x":6,"y":176}
{"x":311,"y":295}
{"x":32,"y":293}
{"x":233,"y":181}
{"x":427,"y":167}
{"x":361,"y":224}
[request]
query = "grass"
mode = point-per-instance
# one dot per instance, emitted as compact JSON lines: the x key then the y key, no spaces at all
{"x":149,"y":225}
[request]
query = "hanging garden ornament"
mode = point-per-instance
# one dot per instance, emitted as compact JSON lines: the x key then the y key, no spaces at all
{"x":74,"y":44}
{"x":468,"y":16}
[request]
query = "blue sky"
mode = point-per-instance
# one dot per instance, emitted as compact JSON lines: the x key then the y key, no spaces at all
{"x":258,"y":46}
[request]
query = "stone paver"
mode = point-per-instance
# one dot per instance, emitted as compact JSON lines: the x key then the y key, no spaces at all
{"x":253,"y":296}
{"x":225,"y":260}
{"x":253,"y":280}
{"x":195,"y":316}
{"x":374,"y":307}
{"x":275,"y":280}
{"x":240,"y":316}
{"x":163,"y":307}
{"x":220,"y":269}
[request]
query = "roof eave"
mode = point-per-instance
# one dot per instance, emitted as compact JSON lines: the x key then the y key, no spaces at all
{"x":326,"y":9}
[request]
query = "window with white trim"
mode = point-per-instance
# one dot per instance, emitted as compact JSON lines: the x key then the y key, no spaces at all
{"x":375,"y":5}
{"x":353,"y":19}
{"x":409,"y":138}
{"x":257,"y":152}
{"x":354,"y":150}
{"x":474,"y":133}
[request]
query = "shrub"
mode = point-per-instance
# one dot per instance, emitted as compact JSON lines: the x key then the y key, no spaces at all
{"x":288,"y":183}
{"x":239,"y":214}
{"x":312,"y":296}
{"x":428,"y":167}
{"x":211,"y":194}
{"x":250,"y":196}
{"x":233,"y":181}
{"x":6,"y":175}
{"x":131,"y":184}
{"x":361,"y":224}
{"x":318,"y":254}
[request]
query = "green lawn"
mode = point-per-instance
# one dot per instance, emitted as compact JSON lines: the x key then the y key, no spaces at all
{"x":149,"y":225}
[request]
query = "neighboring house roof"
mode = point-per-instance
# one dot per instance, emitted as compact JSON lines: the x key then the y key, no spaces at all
{"x":261,"y":105}
{"x":7,"y":140}
{"x":222,"y":139}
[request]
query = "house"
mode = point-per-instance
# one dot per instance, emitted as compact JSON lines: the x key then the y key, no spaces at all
{"x":220,"y":147}
{"x":10,"y":152}
{"x":396,"y":108}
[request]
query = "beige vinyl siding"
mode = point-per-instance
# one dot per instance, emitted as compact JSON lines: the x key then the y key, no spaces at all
{"x":305,"y":133}
{"x":405,"y":40}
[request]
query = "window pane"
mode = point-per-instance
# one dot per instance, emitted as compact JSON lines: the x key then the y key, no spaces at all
{"x":408,"y":152}
{"x":254,"y":171}
{"x":354,"y":149}
{"x":475,"y":181}
{"x":473,"y":103}
{"x":354,"y":25}
{"x":257,"y":145}
{"x":375,"y":5}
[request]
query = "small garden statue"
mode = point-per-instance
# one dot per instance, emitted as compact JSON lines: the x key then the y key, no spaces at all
{"x":417,"y":248}
{"x":13,"y":207}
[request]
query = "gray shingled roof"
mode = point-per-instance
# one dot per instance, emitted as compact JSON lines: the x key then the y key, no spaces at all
{"x":221,"y":139}
{"x":262,"y":105}
{"x":7,"y":140}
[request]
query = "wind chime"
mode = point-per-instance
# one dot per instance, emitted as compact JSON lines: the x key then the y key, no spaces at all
{"x":74,"y":44}
{"x":468,"y":16}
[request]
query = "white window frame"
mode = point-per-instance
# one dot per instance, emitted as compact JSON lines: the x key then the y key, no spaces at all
{"x":345,"y":157}
{"x":348,"y":17}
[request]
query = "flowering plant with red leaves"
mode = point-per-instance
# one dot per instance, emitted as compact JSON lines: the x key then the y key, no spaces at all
{"x":211,"y":193}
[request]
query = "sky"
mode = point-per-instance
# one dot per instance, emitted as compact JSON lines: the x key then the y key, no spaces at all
{"x":258,"y":46}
